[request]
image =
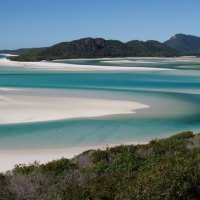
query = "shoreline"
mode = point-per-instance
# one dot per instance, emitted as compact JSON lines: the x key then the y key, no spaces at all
{"x":13,"y":157}
{"x":6,"y":54}
{"x":53,"y":66}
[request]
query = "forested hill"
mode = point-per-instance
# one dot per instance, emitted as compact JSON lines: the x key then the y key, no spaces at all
{"x":98,"y":48}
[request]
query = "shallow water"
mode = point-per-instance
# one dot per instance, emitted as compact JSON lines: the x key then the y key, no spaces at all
{"x":174,"y":97}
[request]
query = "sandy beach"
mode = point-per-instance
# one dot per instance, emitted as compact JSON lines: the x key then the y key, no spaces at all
{"x":12,"y":157}
{"x":44,"y":65}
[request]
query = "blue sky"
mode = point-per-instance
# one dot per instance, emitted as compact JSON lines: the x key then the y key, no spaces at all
{"x":36,"y":23}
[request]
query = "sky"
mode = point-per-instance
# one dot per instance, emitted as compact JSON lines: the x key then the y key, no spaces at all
{"x":41,"y":23}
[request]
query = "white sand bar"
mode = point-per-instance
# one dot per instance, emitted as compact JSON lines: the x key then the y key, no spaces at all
{"x":23,"y":106}
{"x":44,"y":65}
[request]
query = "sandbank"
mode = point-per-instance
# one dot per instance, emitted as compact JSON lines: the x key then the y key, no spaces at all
{"x":18,"y":106}
{"x":53,"y":66}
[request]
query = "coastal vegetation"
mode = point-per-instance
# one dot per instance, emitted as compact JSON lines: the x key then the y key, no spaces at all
{"x":162,"y":169}
{"x":98,"y":48}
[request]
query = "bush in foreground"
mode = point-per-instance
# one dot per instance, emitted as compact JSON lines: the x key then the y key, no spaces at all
{"x":163,"y":169}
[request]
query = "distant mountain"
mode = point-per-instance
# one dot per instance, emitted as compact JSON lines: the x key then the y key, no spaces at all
{"x":98,"y":48}
{"x":184,"y":43}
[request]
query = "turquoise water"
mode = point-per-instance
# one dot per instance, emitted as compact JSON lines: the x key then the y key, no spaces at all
{"x":174,"y":97}
{"x":2,"y":56}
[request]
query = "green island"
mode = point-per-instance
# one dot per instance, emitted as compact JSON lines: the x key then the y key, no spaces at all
{"x":162,"y":169}
{"x":96,"y":48}
{"x":177,"y":45}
